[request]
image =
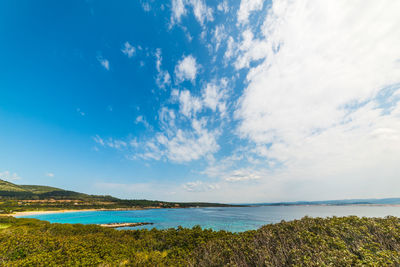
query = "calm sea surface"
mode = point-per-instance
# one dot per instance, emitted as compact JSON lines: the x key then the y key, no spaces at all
{"x":235,"y":219}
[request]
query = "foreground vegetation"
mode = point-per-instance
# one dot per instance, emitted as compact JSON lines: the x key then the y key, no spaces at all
{"x":17,"y":198}
{"x":334,"y":241}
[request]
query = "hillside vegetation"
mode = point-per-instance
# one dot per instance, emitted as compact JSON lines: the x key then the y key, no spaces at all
{"x":346,"y":241}
{"x":27,"y":189}
{"x":39,"y":192}
{"x":14,"y":198}
{"x":10,"y":187}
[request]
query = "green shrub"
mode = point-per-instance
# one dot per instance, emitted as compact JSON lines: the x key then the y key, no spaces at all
{"x":345,"y":241}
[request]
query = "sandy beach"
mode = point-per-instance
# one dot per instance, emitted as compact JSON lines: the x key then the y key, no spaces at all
{"x":40,"y":212}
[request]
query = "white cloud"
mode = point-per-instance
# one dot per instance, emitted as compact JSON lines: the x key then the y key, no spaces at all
{"x":243,"y":175}
{"x":104,"y":62}
{"x":232,"y":168}
{"x":313,"y":120}
{"x":99,"y":140}
{"x":312,"y":103}
{"x":111,"y":143}
{"x":307,"y":87}
{"x":186,"y":69}
{"x":182,"y":138}
{"x":142,"y":120}
{"x":128,"y":50}
{"x":178,"y":10}
{"x":219,"y":36}
{"x":214,"y":96}
{"x":189,"y":145}
{"x":223,"y":6}
{"x":177,"y":144}
{"x":167,"y":118}
{"x":50,"y":174}
{"x":211,"y":96}
{"x":133,"y":142}
{"x":199,"y":186}
{"x":230,"y":50}
{"x":151,"y":151}
{"x":201,"y":11}
{"x":163,"y":78}
{"x":186,"y":135}
{"x":158,"y":59}
{"x":146,"y":6}
{"x":252,"y":49}
{"x":117,"y":144}
{"x":189,"y":105}
{"x":7,"y":175}
{"x":246,"y":7}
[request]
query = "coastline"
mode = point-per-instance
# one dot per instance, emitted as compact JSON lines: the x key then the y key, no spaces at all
{"x":325,"y":205}
{"x":41,"y":212}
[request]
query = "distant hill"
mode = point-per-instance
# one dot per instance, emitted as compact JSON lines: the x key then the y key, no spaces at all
{"x":9,"y":190}
{"x":367,"y":201}
{"x":28,"y":189}
{"x":10,"y":187}
{"x":38,"y":197}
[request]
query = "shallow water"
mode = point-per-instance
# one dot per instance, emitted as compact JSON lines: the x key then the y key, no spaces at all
{"x":235,"y":219}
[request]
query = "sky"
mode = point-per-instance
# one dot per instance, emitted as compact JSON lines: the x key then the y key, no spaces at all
{"x":194,"y":100}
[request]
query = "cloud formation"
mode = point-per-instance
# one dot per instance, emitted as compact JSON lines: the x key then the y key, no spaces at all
{"x":128,"y":50}
{"x":200,"y":10}
{"x":104,"y":62}
{"x":305,"y":86}
{"x":306,"y":101}
{"x":9,"y":176}
{"x":315,"y":103}
{"x":246,"y":7}
{"x":186,"y":69}
{"x":199,"y":186}
{"x":163,"y":78}
{"x":178,"y":10}
{"x":110,"y":142}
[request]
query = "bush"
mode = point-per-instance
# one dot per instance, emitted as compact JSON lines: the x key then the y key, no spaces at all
{"x":333,"y":241}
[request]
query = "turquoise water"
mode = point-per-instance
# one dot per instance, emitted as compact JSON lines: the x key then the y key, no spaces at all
{"x":235,"y":219}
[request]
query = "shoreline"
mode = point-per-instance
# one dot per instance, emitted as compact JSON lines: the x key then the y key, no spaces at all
{"x":122,"y":225}
{"x":41,"y":212}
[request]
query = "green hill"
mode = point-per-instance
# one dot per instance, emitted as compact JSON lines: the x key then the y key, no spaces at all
{"x":35,"y":189}
{"x":9,"y":190}
{"x":39,"y":189}
{"x":10,"y":187}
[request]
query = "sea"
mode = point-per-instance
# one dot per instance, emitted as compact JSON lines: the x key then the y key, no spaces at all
{"x":234,"y":219}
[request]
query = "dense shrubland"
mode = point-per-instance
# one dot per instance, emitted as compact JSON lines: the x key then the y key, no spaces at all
{"x":307,"y":242}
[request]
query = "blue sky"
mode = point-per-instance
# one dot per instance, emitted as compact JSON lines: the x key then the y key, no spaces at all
{"x":193,"y":100}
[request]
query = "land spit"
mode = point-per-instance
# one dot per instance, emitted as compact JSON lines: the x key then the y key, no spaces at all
{"x":118,"y":225}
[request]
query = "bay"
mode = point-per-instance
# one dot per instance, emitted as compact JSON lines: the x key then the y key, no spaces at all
{"x":234,"y":219}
